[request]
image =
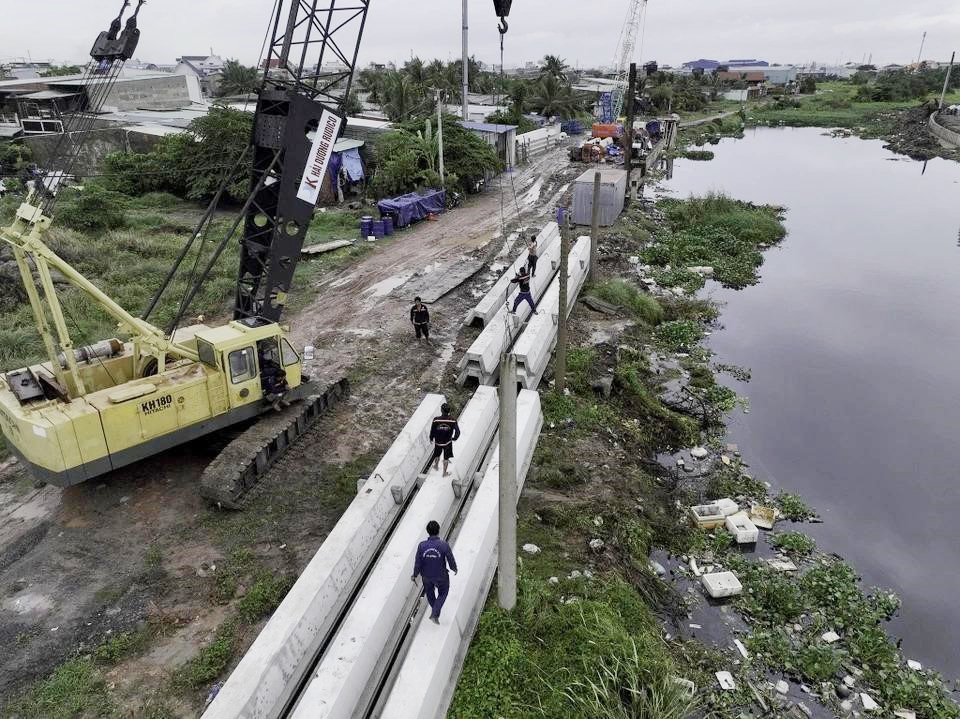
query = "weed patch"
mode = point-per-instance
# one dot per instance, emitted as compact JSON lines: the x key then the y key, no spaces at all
{"x":75,"y":689}
{"x":642,"y":306}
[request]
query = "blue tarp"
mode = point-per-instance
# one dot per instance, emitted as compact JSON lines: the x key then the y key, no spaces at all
{"x":352,"y":164}
{"x":409,"y":208}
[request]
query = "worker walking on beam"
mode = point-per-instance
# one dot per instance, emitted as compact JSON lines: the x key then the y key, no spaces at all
{"x":523,"y":279}
{"x":444,"y":432}
{"x":433,"y":557}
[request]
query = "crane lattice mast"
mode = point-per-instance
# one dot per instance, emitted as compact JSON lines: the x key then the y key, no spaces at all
{"x":625,"y":49}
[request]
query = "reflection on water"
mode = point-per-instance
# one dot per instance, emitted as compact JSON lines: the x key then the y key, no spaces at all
{"x":853,"y":337}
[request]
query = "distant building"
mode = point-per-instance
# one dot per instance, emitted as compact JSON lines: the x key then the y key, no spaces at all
{"x":502,"y":138}
{"x":701,"y":64}
{"x":45,"y":105}
{"x":747,"y":63}
{"x":751,"y":78}
{"x":770,"y":74}
{"x":208,"y":69}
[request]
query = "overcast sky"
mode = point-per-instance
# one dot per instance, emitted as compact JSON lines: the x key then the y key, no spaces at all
{"x":583,"y":32}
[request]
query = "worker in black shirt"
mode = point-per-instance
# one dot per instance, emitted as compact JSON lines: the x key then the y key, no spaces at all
{"x":523,"y":279}
{"x":420,"y":317}
{"x":443,"y":432}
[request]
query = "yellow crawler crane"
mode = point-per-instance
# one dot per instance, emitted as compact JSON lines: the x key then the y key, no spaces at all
{"x":91,"y":409}
{"x":88,"y":410}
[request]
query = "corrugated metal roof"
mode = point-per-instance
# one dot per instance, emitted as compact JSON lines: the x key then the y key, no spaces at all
{"x":346,"y":143}
{"x":487,"y":127}
{"x":48,"y":95}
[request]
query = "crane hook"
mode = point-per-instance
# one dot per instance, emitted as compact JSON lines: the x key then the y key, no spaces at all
{"x":503,"y":27}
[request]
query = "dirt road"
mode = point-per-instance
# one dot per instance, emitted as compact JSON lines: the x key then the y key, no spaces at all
{"x":80,"y":565}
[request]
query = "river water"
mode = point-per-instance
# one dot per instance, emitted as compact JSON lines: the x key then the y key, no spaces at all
{"x":853,"y":339}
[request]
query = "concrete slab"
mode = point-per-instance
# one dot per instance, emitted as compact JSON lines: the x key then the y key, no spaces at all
{"x":324,"y":247}
{"x":535,"y":345}
{"x":496,"y":296}
{"x":721,"y":584}
{"x":358,"y":654}
{"x":431,"y":286}
{"x":424,"y":685}
{"x":266,"y":676}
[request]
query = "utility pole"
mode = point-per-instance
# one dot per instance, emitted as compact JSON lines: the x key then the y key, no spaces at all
{"x":466,"y":71}
{"x":628,"y":162}
{"x":595,"y":228}
{"x":946,"y":80}
{"x":560,"y":368}
{"x":440,"y":139}
{"x":919,"y":54}
{"x":507,"y":538}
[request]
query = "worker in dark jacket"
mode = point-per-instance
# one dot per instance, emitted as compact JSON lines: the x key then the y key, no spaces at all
{"x":443,"y":433}
{"x":420,"y":317}
{"x":523,"y":279}
{"x":433,"y":556}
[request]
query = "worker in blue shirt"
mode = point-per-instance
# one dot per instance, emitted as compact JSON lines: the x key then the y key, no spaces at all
{"x":433,"y":556}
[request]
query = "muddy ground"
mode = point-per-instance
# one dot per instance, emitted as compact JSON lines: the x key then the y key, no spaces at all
{"x":82,"y":564}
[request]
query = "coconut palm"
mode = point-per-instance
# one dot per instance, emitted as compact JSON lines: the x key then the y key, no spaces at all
{"x":554,"y":66}
{"x":416,"y":71}
{"x":237,"y":79}
{"x":398,"y":97}
{"x":555,"y":98}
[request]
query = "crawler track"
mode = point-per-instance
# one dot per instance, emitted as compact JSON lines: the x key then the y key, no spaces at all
{"x":229,"y":479}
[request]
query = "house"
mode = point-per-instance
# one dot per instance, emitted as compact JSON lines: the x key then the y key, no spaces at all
{"x":502,"y":138}
{"x":701,"y":64}
{"x":747,"y":63}
{"x":208,"y":69}
{"x":751,"y":78}
{"x":44,"y":105}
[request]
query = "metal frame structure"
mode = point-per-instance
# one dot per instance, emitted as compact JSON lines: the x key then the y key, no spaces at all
{"x":295,"y":92}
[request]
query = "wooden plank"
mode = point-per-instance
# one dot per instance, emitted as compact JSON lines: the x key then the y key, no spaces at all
{"x":325,"y":247}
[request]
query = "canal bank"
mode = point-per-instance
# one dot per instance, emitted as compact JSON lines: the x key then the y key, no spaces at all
{"x":850,"y":338}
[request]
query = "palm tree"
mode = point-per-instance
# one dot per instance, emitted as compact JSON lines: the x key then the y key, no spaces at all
{"x":398,"y":97}
{"x":416,"y":71}
{"x":237,"y":79}
{"x":555,"y":98}
{"x":555,"y":67}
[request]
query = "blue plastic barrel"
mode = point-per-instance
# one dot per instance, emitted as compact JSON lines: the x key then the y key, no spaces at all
{"x":377,"y":229}
{"x":366,"y":223}
{"x":387,"y":225}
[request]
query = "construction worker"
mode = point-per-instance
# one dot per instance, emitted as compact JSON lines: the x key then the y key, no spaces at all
{"x":523,"y":279}
{"x":433,"y":556}
{"x":532,"y":255}
{"x":443,"y":432}
{"x":420,"y":317}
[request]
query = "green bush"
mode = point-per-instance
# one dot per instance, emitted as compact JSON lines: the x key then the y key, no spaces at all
{"x":92,"y":209}
{"x":678,"y":335}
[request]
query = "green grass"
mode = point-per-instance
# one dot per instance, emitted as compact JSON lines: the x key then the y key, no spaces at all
{"x":75,"y":689}
{"x":642,"y":306}
{"x":263,"y":597}
{"x":538,"y":660}
{"x":211,"y":660}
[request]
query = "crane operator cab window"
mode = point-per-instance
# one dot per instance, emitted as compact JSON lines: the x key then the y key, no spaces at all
{"x":273,"y":378}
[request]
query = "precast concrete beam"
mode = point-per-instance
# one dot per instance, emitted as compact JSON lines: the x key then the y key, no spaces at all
{"x":482,"y":359}
{"x":264,"y":680}
{"x":497,"y":295}
{"x":358,"y":656}
{"x":534,"y":346}
{"x":425,"y":683}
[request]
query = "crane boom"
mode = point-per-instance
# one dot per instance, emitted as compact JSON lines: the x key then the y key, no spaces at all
{"x":625,"y":50}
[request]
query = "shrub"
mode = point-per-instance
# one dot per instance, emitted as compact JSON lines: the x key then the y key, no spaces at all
{"x":92,"y":209}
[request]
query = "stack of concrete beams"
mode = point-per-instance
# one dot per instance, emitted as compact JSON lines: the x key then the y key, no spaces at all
{"x":424,"y":686}
{"x":482,"y":359}
{"x":538,"y":339}
{"x":495,"y":298}
{"x":344,"y":681}
{"x":271,"y":670}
